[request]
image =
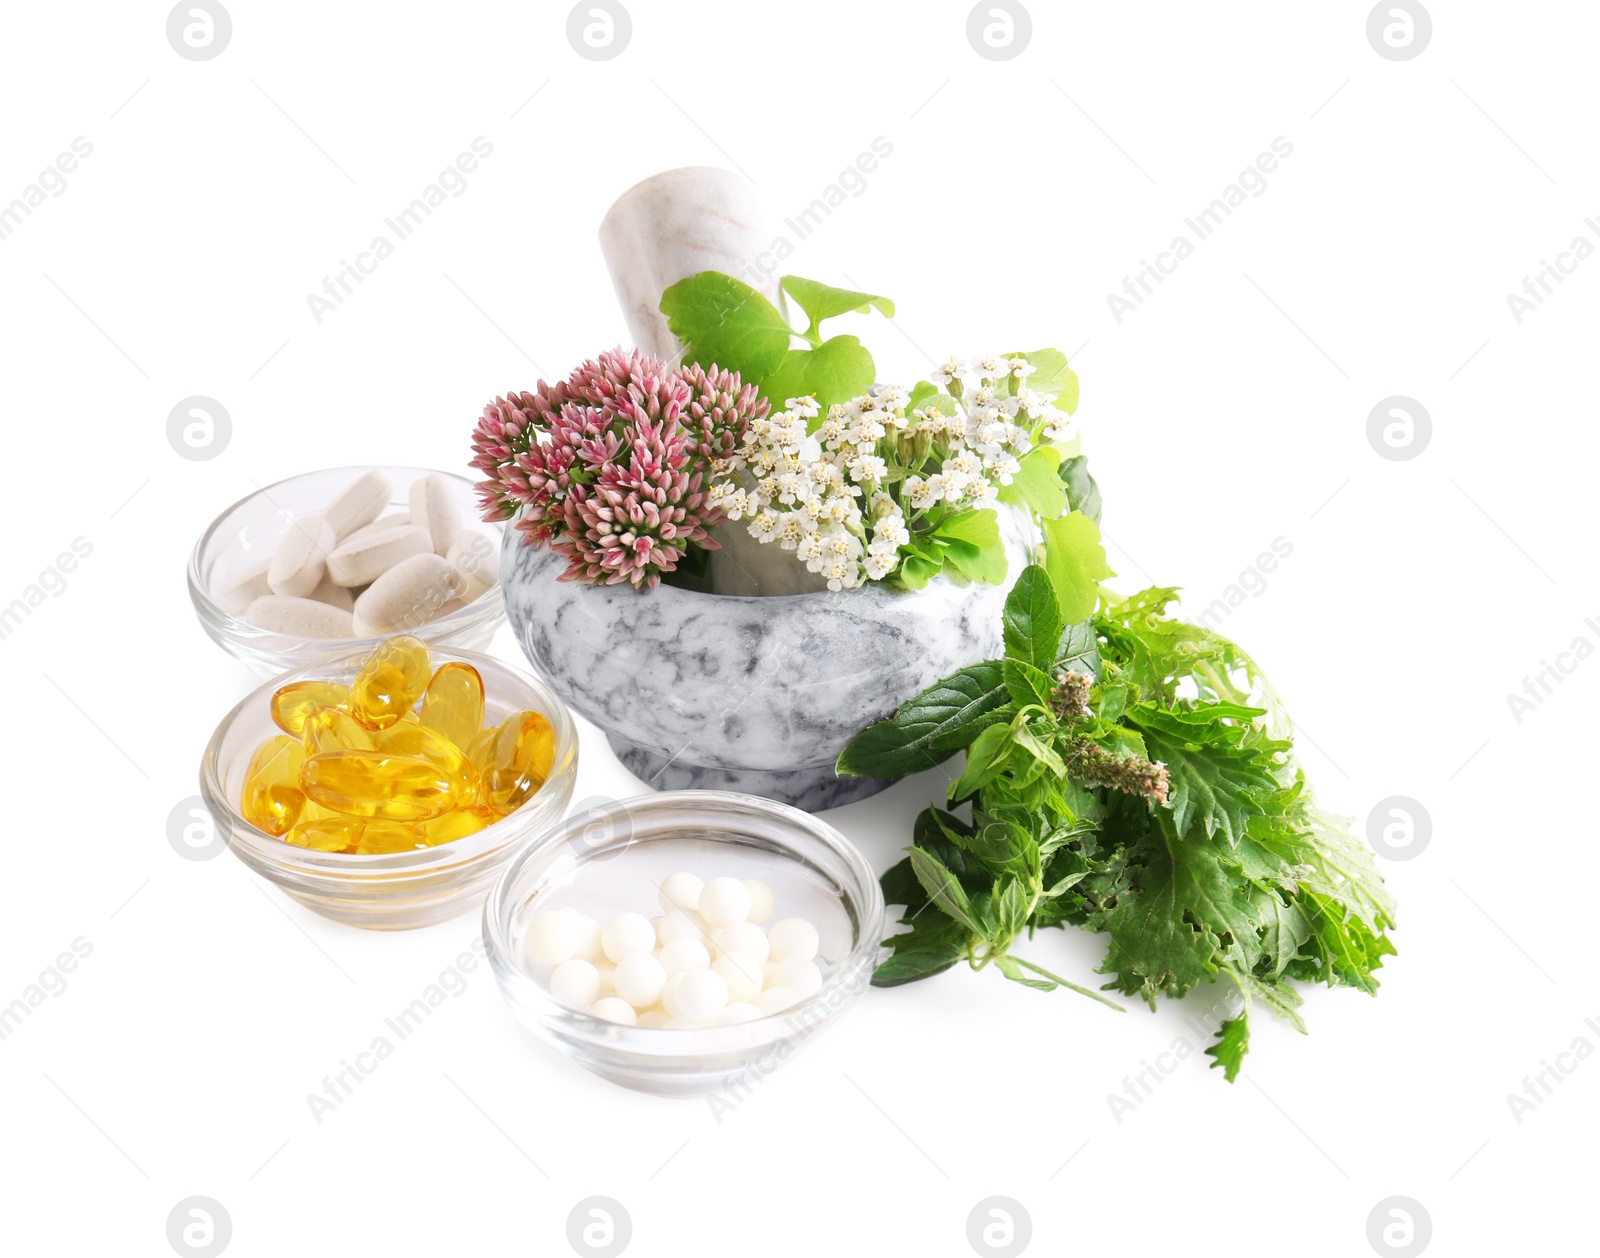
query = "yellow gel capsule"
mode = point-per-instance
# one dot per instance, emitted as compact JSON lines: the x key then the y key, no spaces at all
{"x":390,"y":682}
{"x":291,"y":704}
{"x":328,"y":834}
{"x":380,"y":837}
{"x":333,"y":729}
{"x":370,"y":784}
{"x":406,"y":738}
{"x":524,"y":749}
{"x":457,"y":824}
{"x":453,"y":703}
{"x":272,"y":798}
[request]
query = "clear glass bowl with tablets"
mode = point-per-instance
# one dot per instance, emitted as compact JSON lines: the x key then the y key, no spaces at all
{"x":613,"y":858}
{"x":244,"y":537}
{"x":406,"y":889}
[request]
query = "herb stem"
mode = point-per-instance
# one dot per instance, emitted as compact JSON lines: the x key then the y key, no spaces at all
{"x":1057,"y":979}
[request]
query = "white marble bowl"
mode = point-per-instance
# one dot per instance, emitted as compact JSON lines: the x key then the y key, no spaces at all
{"x":749,"y":694}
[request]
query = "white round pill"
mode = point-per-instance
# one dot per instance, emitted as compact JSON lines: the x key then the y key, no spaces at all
{"x":769,"y":974}
{"x":608,"y":976}
{"x":554,"y":936}
{"x":739,"y":1011}
{"x":701,"y":995}
{"x":680,"y":891}
{"x":639,"y":980}
{"x":775,"y":1000}
{"x":745,"y":937}
{"x":627,"y":935}
{"x":803,"y":978}
{"x":678,"y":924}
{"x":614,"y":1009}
{"x":682,"y":955}
{"x":654,"y":1017}
{"x":793,"y":937}
{"x":724,"y":901}
{"x":741,"y":972}
{"x":585,"y":937}
{"x":762,"y":901}
{"x":575,"y":983}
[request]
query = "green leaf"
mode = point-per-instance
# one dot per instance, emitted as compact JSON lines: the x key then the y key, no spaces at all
{"x":835,"y":371}
{"x":944,"y":889}
{"x":1216,"y":783}
{"x":1076,"y":562}
{"x":1079,"y":650}
{"x":823,"y":301}
{"x":1032,"y":619}
{"x":946,"y":716}
{"x":1083,"y":494}
{"x":916,"y":572}
{"x":1233,"y":1042}
{"x":1038,"y":484}
{"x":985,"y":759}
{"x":1008,"y":913}
{"x":910,"y":962}
{"x":1028,"y":684}
{"x":1014,"y":971}
{"x":972,"y":545}
{"x":1051,"y":375}
{"x":723,"y":321}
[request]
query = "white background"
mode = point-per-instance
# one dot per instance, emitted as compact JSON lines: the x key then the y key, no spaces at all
{"x":1228,"y":411}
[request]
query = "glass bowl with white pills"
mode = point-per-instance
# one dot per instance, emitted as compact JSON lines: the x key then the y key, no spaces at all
{"x":670,"y":942}
{"x":343,"y":558}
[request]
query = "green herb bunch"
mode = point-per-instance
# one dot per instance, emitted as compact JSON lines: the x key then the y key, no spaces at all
{"x":1131,"y":774}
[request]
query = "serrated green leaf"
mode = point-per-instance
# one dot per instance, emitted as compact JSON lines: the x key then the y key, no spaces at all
{"x":944,"y":889}
{"x":1032,"y":619}
{"x":927,"y":728}
{"x":1233,"y":1042}
{"x":1076,"y":562}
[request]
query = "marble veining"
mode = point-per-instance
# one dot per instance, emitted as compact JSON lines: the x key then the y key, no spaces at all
{"x":748,"y":693}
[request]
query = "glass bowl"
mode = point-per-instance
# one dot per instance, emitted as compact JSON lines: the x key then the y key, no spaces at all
{"x":611,"y":859}
{"x":246,"y":534}
{"x":406,"y":889}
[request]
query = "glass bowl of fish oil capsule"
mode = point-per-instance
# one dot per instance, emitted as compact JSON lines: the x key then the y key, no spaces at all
{"x":627,"y":859}
{"x":230,"y":572}
{"x":386,"y":787}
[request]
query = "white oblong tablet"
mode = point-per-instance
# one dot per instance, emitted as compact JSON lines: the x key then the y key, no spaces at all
{"x":360,"y":503}
{"x":334,"y":596}
{"x":301,"y":560}
{"x":364,"y":561}
{"x":436,"y":507}
{"x":301,"y":617}
{"x":394,"y":520}
{"x":410,"y":594}
{"x":243,"y":588}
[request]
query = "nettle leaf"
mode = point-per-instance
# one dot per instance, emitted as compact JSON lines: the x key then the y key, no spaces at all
{"x":926,"y":729}
{"x":1233,"y":1042}
{"x":1076,"y":562}
{"x":835,"y":371}
{"x":1216,"y":784}
{"x":1079,"y":650}
{"x":721,"y":320}
{"x":944,"y":889}
{"x":823,"y":301}
{"x":1038,"y":483}
{"x":1032,"y":619}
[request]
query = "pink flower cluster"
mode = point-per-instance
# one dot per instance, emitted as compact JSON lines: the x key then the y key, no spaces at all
{"x":611,"y":466}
